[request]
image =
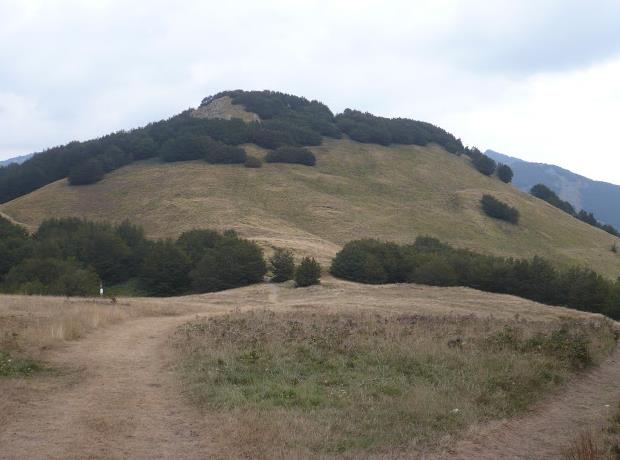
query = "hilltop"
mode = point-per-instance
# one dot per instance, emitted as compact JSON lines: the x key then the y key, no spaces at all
{"x":392,"y":179}
{"x":394,"y":192}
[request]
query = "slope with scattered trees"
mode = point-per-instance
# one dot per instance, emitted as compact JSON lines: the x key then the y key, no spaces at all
{"x":354,"y":191}
{"x":545,"y":193}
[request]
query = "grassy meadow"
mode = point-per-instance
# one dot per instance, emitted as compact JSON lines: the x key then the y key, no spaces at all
{"x":331,"y":384}
{"x":356,"y":190}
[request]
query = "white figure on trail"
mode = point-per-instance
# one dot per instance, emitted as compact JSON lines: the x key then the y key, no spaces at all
{"x":100,"y":289}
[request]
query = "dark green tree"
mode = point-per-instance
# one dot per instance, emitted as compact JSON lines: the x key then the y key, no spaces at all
{"x":234,"y":262}
{"x":504,"y":172}
{"x":165,"y":270}
{"x":296,"y":155}
{"x":86,"y":173}
{"x":308,"y":272}
{"x":282,"y":265}
{"x":499,"y":210}
{"x":484,"y":164}
{"x":253,"y":162}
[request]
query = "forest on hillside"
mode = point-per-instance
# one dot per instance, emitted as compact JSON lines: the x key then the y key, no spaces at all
{"x":288,"y":123}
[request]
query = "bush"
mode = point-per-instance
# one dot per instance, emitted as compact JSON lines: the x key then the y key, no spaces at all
{"x":186,"y":148}
{"x":233,"y":262}
{"x":113,"y":158}
{"x":218,"y":153}
{"x":196,"y":243}
{"x":505,"y":174}
{"x":372,"y":261}
{"x":499,"y":210}
{"x":165,"y":271}
{"x":51,"y":277}
{"x":368,"y":128}
{"x":308,"y":273}
{"x":484,"y":164}
{"x":253,"y":162}
{"x":545,"y":193}
{"x":296,"y":155}
{"x":86,"y":173}
{"x":282,"y":265}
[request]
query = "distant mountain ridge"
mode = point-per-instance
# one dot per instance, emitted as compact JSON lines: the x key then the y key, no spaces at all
{"x":19,"y":160}
{"x":600,"y":198}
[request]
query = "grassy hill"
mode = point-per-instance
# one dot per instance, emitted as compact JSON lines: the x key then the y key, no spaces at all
{"x":356,"y":190}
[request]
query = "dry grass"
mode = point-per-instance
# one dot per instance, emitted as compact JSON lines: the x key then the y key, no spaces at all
{"x":601,"y":444}
{"x":353,"y":383}
{"x":356,"y":190}
{"x":29,"y":325}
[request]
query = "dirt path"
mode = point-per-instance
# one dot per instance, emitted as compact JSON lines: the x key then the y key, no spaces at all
{"x":126,"y":405}
{"x":550,"y":427}
{"x":125,"y":402}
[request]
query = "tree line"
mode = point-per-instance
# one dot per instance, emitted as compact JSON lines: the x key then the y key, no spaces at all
{"x":429,"y":261}
{"x":545,"y":193}
{"x":286,"y":122}
{"x":71,"y":256}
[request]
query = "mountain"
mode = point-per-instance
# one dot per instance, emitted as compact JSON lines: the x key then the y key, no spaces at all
{"x":600,"y":198}
{"x":19,"y":160}
{"x":417,"y":183}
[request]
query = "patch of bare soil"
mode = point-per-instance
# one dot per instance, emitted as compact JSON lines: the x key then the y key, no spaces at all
{"x":126,"y":403}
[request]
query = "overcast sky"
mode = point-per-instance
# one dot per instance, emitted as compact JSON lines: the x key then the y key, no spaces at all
{"x":537,"y":79}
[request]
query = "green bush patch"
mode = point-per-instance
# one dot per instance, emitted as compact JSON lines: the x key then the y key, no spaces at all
{"x":17,"y":367}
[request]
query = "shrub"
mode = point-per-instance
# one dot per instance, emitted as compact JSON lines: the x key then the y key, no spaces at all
{"x":308,"y":273}
{"x":269,"y":138}
{"x":296,"y":155}
{"x":113,"y":158}
{"x":51,"y":277}
{"x":196,"y":243}
{"x":545,"y":193}
{"x":218,"y":153}
{"x":186,"y":148}
{"x":499,"y":210}
{"x":253,"y":162}
{"x":233,"y":262}
{"x":505,"y":174}
{"x":484,"y":164}
{"x":165,"y":271}
{"x":86,"y":173}
{"x":370,"y":261}
{"x":368,"y":128}
{"x":282,"y":265}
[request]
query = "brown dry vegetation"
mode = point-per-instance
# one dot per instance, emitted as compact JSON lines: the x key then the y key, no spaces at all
{"x":356,"y":190}
{"x":354,"y":383}
{"x":114,"y":392}
{"x":33,"y":324}
{"x":598,"y":444}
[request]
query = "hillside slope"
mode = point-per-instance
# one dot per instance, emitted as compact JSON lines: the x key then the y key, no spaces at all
{"x":356,"y":190}
{"x":600,"y":198}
